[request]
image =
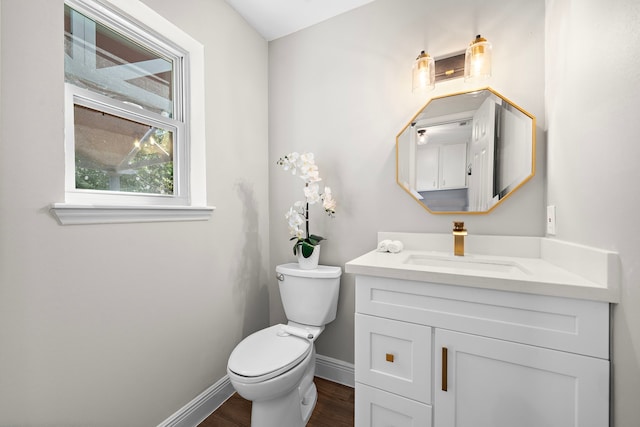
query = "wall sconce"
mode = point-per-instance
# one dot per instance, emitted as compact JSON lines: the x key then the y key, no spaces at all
{"x":474,"y":65}
{"x":423,"y":73}
{"x":477,"y":60}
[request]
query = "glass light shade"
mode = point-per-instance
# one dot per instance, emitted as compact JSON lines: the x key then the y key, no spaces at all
{"x":424,"y":73}
{"x":477,"y":60}
{"x":422,"y":136}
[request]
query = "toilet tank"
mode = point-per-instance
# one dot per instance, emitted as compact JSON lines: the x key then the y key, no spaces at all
{"x":309,"y":297}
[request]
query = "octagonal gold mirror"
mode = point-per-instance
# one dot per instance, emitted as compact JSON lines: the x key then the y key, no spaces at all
{"x":466,"y":152}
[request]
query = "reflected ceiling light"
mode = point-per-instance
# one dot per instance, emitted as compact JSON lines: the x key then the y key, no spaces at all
{"x":422,"y":136}
{"x":477,"y":60}
{"x":424,"y":72}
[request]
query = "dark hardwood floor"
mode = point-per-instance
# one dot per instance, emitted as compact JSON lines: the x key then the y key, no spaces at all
{"x":334,"y":409}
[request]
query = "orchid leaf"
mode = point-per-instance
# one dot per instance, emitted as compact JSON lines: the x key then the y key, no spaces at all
{"x":307,"y":249}
{"x":315,"y":239}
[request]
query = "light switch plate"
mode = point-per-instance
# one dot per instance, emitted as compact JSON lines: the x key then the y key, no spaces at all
{"x":551,"y":220}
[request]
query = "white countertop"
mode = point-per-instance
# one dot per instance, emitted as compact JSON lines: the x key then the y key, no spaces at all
{"x":530,"y":265}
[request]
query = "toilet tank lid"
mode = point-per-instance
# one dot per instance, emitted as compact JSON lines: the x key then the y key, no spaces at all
{"x":323,"y":271}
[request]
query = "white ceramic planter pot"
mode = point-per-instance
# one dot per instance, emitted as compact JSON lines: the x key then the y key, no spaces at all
{"x":311,"y":262}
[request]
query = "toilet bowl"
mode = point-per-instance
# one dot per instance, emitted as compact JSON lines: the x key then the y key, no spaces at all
{"x":274,"y":367}
{"x":268,"y":369}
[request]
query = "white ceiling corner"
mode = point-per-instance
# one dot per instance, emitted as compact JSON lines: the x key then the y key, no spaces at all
{"x":277,"y":18}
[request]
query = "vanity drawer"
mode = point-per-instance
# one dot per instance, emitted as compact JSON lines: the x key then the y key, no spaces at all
{"x":374,"y":407}
{"x":394,"y":356}
{"x":577,"y":326}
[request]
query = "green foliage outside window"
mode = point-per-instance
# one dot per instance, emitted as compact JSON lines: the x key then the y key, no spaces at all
{"x":153,"y":179}
{"x":150,"y":169}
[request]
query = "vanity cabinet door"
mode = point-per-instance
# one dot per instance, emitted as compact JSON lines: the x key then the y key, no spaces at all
{"x":482,"y":381}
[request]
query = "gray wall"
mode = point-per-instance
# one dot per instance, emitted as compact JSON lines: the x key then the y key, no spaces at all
{"x":130,"y":340}
{"x":123,"y":324}
{"x":342,"y":89}
{"x":593,"y":172}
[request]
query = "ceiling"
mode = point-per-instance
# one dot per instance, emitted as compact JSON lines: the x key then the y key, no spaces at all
{"x":277,"y":18}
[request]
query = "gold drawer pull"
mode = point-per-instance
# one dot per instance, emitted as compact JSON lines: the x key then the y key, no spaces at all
{"x":444,"y":368}
{"x":390,"y":357}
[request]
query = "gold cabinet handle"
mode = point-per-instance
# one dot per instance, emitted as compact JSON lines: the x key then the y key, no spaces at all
{"x":444,"y":368}
{"x":389,"y":357}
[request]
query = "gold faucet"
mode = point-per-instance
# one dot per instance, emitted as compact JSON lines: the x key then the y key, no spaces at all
{"x":458,"y":238}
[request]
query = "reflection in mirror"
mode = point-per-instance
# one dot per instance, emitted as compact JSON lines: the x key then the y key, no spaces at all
{"x":465,"y":153}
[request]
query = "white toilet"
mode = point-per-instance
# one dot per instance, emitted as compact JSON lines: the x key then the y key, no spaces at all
{"x":274,"y":367}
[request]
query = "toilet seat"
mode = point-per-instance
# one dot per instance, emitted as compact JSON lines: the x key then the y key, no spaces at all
{"x":266,"y":354}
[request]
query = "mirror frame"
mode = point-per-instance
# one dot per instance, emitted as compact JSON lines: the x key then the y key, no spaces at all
{"x":502,"y":199}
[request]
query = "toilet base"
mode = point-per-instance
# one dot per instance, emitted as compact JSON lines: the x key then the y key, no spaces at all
{"x":292,"y":409}
{"x":307,"y":390}
{"x":308,"y":403}
{"x":284,"y":411}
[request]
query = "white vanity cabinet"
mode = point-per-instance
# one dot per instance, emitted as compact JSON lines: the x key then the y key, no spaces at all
{"x":430,"y":354}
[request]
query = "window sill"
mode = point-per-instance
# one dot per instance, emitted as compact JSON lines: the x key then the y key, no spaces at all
{"x":67,"y":214}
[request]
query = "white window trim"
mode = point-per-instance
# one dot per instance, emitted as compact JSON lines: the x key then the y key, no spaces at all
{"x":72,"y":212}
{"x":68,"y":214}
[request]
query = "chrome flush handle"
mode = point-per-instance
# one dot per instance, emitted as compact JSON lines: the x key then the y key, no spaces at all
{"x":280,"y":277}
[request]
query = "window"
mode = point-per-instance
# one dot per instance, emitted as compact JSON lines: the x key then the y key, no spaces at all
{"x":134,"y":132}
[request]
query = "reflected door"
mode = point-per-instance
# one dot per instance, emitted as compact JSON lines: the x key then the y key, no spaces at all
{"x":481,"y":153}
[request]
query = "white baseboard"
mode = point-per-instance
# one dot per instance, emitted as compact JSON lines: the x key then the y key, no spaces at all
{"x":194,"y":412}
{"x":335,"y":370}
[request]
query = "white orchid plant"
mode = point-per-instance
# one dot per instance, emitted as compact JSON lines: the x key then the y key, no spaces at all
{"x":303,"y":165}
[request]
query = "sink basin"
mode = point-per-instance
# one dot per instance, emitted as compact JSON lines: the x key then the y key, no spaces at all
{"x":465,"y":263}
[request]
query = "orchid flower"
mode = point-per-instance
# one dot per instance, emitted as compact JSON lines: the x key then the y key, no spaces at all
{"x":304,"y":166}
